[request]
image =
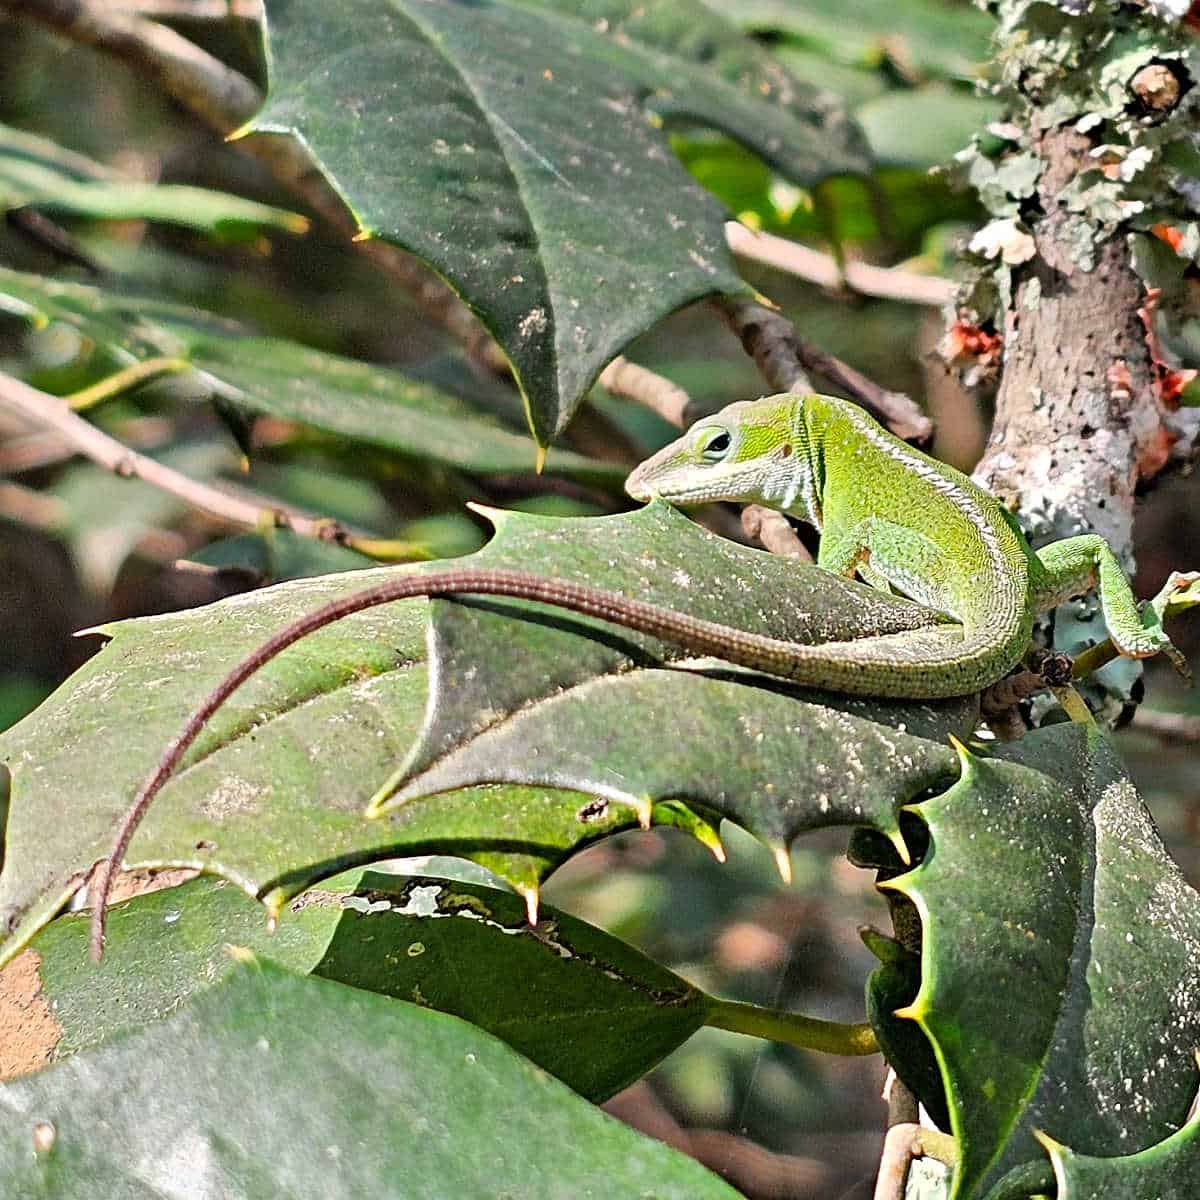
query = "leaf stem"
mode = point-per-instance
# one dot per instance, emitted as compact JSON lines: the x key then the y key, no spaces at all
{"x":833,"y":1037}
{"x":123,"y":380}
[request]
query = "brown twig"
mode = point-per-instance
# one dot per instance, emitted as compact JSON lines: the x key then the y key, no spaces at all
{"x":774,"y":531}
{"x":785,"y":358}
{"x":1170,"y":727}
{"x":634,"y":382}
{"x":52,"y":414}
{"x":904,"y":1142}
{"x":191,"y":10}
{"x":888,"y":283}
{"x":27,"y":507}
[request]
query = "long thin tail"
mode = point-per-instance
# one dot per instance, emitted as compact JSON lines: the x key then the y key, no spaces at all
{"x":838,"y":665}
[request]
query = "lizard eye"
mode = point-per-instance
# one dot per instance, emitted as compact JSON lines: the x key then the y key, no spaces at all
{"x":714,"y":444}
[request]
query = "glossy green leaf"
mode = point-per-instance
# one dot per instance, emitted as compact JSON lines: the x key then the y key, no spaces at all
{"x":36,"y":171}
{"x":583,"y":1005}
{"x":396,"y":1101}
{"x":547,"y":698}
{"x":1047,"y":893}
{"x":935,"y":37}
{"x":924,"y":127}
{"x":1169,"y":1170}
{"x":515,"y":177}
{"x":80,"y":334}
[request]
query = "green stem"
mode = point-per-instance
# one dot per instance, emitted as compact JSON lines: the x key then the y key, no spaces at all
{"x":941,"y":1146}
{"x":792,"y":1028}
{"x":123,"y":380}
{"x":1093,"y":658}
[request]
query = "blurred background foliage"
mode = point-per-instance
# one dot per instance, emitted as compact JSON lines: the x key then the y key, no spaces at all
{"x":152,"y":206}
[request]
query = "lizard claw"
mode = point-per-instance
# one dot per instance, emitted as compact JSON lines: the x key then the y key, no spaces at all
{"x":1178,"y":661}
{"x":1181,"y":591}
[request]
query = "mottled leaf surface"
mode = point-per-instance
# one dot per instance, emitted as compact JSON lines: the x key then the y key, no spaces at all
{"x":1169,"y":1170}
{"x":1047,"y":893}
{"x":396,"y":1101}
{"x":272,"y":795}
{"x":78,"y":334}
{"x":516,"y":175}
{"x":577,"y":1001}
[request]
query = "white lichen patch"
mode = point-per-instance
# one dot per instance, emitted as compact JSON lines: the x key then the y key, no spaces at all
{"x":232,"y":796}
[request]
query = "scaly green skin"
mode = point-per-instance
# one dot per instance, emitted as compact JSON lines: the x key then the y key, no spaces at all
{"x":896,"y":517}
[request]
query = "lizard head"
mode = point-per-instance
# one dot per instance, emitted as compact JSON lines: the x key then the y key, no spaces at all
{"x":748,"y":452}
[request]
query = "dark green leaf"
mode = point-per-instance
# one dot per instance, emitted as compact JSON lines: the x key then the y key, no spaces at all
{"x":80,"y":334}
{"x":36,"y":171}
{"x":1166,"y":1171}
{"x":586,"y":1007}
{"x":274,"y":796}
{"x":532,"y":134}
{"x":396,"y":1101}
{"x":273,"y":793}
{"x":1061,"y":976}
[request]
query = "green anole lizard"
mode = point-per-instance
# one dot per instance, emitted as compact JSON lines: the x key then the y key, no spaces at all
{"x":888,"y":513}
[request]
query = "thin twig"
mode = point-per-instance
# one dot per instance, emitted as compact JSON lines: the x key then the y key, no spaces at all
{"x":785,"y":359}
{"x":191,"y":10}
{"x":1170,"y":727}
{"x":903,"y":1143}
{"x":27,"y":507}
{"x":887,"y":283}
{"x":634,"y":382}
{"x":222,"y":97}
{"x":771,"y":528}
{"x":52,"y":413}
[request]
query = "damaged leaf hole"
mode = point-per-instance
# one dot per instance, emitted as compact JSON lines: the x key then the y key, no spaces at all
{"x":593,"y":811}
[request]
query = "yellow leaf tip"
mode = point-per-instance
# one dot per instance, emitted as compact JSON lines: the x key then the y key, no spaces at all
{"x":901,"y":847}
{"x":540,"y":465}
{"x":532,"y":899}
{"x":783,"y":862}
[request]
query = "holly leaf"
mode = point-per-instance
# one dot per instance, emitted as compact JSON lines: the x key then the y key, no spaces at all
{"x":1047,"y":892}
{"x":533,"y":126}
{"x":397,"y":1101}
{"x":543,"y":698}
{"x":1167,"y":1171}
{"x":577,"y":1001}
{"x":272,"y":794}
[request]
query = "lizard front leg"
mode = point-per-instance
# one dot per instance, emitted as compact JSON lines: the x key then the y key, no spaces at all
{"x":889,"y":557}
{"x":1075,"y":565}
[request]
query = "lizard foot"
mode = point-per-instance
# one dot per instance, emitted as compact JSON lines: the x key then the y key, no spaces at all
{"x":1181,"y":591}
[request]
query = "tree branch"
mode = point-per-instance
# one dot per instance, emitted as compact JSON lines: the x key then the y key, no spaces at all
{"x":888,"y":283}
{"x":51,"y":413}
{"x":785,"y":359}
{"x":225,"y":100}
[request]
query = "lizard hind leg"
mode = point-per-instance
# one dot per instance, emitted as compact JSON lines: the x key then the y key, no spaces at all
{"x":1074,"y":565}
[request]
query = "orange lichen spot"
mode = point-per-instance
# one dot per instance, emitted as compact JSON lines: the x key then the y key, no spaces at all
{"x":1169,"y":234}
